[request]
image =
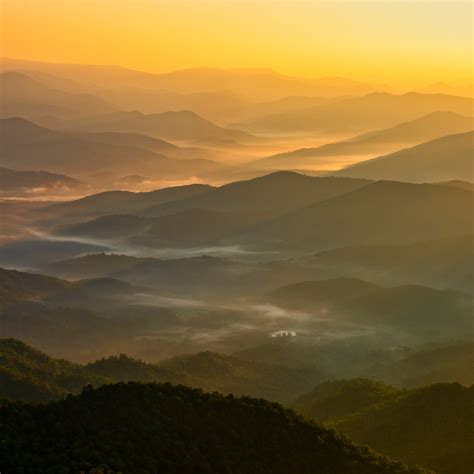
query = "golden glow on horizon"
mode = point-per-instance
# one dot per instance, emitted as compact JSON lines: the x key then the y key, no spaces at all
{"x":402,"y":43}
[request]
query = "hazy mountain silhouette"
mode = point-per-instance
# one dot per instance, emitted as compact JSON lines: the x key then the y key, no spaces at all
{"x":443,"y":159}
{"x":27,"y":96}
{"x":113,"y":202}
{"x":426,"y":128}
{"x":412,"y":308}
{"x":188,"y":228}
{"x":369,"y":112}
{"x":270,"y":194}
{"x":36,"y":183}
{"x":180,"y":125}
{"x":443,"y":88}
{"x":27,"y":146}
{"x":441,"y":263}
{"x":22,"y":286}
{"x":448,"y":363}
{"x":255,"y":84}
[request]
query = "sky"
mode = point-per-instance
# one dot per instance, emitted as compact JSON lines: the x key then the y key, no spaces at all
{"x":401,"y":43}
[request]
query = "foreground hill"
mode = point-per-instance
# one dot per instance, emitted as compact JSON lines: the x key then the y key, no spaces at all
{"x":175,"y":429}
{"x":370,"y":216}
{"x":375,"y":143}
{"x":444,"y":159}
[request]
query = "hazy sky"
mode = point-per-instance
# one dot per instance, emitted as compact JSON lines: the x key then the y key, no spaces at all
{"x":400,"y":42}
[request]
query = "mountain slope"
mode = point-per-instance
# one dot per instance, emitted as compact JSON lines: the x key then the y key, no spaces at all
{"x":189,"y":228}
{"x":36,"y":183}
{"x":27,"y":146}
{"x":336,"y":399}
{"x":211,"y":372}
{"x":31,"y":375}
{"x":448,"y":363}
{"x":275,"y":193}
{"x":440,"y":263}
{"x":432,"y":425}
{"x":114,"y":202}
{"x":411,"y":308}
{"x":426,"y":128}
{"x":175,"y":429}
{"x":28,"y":374}
{"x":181,"y":125}
{"x":384,"y":212}
{"x":444,"y":159}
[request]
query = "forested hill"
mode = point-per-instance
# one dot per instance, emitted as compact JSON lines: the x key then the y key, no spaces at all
{"x":161,"y":428}
{"x":30,"y":375}
{"x":394,"y":421}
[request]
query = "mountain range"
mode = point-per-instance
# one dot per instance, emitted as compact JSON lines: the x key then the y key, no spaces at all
{"x":27,"y":146}
{"x":35,"y":184}
{"x":426,"y":128}
{"x":361,"y":114}
{"x":443,"y":159}
{"x":28,"y":97}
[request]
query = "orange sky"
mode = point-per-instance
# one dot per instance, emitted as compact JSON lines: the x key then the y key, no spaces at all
{"x":403,"y":43}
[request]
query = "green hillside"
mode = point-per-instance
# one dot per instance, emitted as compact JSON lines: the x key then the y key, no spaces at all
{"x":28,"y":374}
{"x":163,"y":428}
{"x":433,"y":425}
{"x":331,"y":400}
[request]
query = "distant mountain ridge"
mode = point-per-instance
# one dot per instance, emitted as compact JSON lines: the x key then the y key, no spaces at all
{"x":23,"y":95}
{"x":260,"y":84}
{"x":26,"y":146}
{"x":426,"y":128}
{"x":444,"y":159}
{"x":362,"y":114}
{"x":370,"y":215}
{"x":36,"y":183}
